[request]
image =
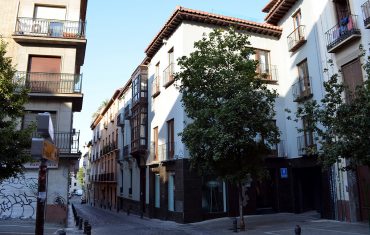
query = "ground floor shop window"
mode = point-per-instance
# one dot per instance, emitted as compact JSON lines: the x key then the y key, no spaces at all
{"x":213,"y":196}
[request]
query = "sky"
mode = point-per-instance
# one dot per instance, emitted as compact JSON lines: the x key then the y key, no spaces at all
{"x":118,"y":32}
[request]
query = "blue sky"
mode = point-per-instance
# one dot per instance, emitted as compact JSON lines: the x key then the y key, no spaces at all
{"x":118,"y":31}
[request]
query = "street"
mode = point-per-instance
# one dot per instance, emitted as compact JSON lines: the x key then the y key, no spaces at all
{"x":106,"y":222}
{"x":110,"y":222}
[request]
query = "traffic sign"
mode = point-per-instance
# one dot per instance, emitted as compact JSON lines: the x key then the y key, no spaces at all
{"x":50,"y":151}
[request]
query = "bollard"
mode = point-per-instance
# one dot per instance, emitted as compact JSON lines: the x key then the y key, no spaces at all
{"x":86,"y":222}
{"x":297,"y":230}
{"x":88,"y":229}
{"x":235,"y":225}
{"x":77,"y":220}
{"x":80,"y":224}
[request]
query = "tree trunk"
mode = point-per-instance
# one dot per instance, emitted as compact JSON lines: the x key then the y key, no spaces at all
{"x":242,"y":224}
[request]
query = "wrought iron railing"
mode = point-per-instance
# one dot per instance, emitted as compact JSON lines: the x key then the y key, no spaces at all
{"x":302,"y":89}
{"x":168,"y":77}
{"x":67,"y":142}
{"x":296,"y":38}
{"x":127,"y":112}
{"x":278,"y":150}
{"x":63,"y":83}
{"x":155,"y":86}
{"x":126,"y":151}
{"x":50,"y":28}
{"x":306,"y":144}
{"x":163,"y":152}
{"x":267,"y":72}
{"x":120,"y":120}
{"x":366,"y":13}
{"x":346,"y":27}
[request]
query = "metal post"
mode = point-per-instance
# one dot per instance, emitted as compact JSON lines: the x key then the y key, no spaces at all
{"x":41,"y":199}
{"x":297,"y":230}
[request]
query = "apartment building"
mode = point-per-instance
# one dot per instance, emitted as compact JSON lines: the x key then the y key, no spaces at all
{"x":174,"y":191}
{"x":317,"y":32}
{"x":104,"y":156}
{"x":46,"y":40}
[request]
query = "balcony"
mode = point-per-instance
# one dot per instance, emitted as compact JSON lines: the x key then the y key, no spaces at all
{"x":164,"y":152}
{"x":366,"y":13}
{"x":267,"y":72}
{"x":278,"y":150}
{"x":155,"y":87}
{"x":306,"y":144}
{"x":127,"y":112}
{"x":47,"y":30}
{"x":168,"y":77}
{"x":345,"y":32}
{"x":120,"y":120}
{"x":297,"y":38}
{"x":56,"y":83}
{"x":302,"y":89}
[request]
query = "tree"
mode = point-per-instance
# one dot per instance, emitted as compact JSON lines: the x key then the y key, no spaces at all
{"x":341,"y":126}
{"x":14,"y":141}
{"x":231,"y":111}
{"x":80,"y":177}
{"x":100,"y":108}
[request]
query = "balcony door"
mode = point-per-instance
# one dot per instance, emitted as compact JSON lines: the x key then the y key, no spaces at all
{"x":170,"y":139}
{"x":263,"y":67}
{"x":49,"y":20}
{"x":303,"y":75}
{"x":44,"y":73}
{"x":352,"y":76}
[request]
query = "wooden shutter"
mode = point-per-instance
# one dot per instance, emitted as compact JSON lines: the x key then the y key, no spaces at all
{"x":352,"y":76}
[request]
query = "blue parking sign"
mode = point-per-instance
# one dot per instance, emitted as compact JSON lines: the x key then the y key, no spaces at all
{"x":283,"y":172}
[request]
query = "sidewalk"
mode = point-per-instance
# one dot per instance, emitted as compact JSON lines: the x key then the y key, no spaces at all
{"x":284,"y":224}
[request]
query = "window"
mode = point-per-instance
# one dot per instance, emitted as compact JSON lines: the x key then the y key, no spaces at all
{"x":30,"y":117}
{"x":44,"y":74}
{"x":157,"y":184}
{"x":342,"y":9}
{"x":49,"y":12}
{"x":297,"y":19}
{"x":352,"y":77}
{"x":168,"y":78}
{"x":155,"y":143}
{"x":139,"y":88}
{"x":171,"y":191}
{"x":213,"y":196}
{"x":263,"y":58}
{"x":308,"y":134}
{"x":170,"y":139}
{"x":303,"y":78}
{"x":139,"y":128}
{"x":156,"y":80}
{"x":49,"y":20}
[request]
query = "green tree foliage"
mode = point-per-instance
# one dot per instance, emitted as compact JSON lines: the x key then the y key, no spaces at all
{"x":80,"y":177}
{"x":100,"y":108}
{"x":14,"y":141}
{"x":342,"y":127}
{"x":228,"y":106}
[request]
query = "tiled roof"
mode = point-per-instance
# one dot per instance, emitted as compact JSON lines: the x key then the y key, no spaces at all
{"x":181,"y":14}
{"x":268,"y":6}
{"x":276,"y":12}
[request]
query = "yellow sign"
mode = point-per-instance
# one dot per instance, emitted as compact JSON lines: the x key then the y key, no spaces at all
{"x":50,"y":151}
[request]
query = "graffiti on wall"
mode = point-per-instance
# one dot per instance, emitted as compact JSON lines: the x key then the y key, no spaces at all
{"x":18,"y":197}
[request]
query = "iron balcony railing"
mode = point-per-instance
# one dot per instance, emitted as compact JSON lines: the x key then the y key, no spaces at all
{"x":366,"y":13}
{"x":302,"y":89}
{"x":168,"y":77}
{"x":341,"y":32}
{"x":296,"y":38}
{"x":267,"y":72}
{"x":62,"y":83}
{"x":278,"y":150}
{"x":66,"y":142}
{"x":155,"y":86}
{"x":164,"y":152}
{"x":50,"y":28}
{"x":306,"y":144}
